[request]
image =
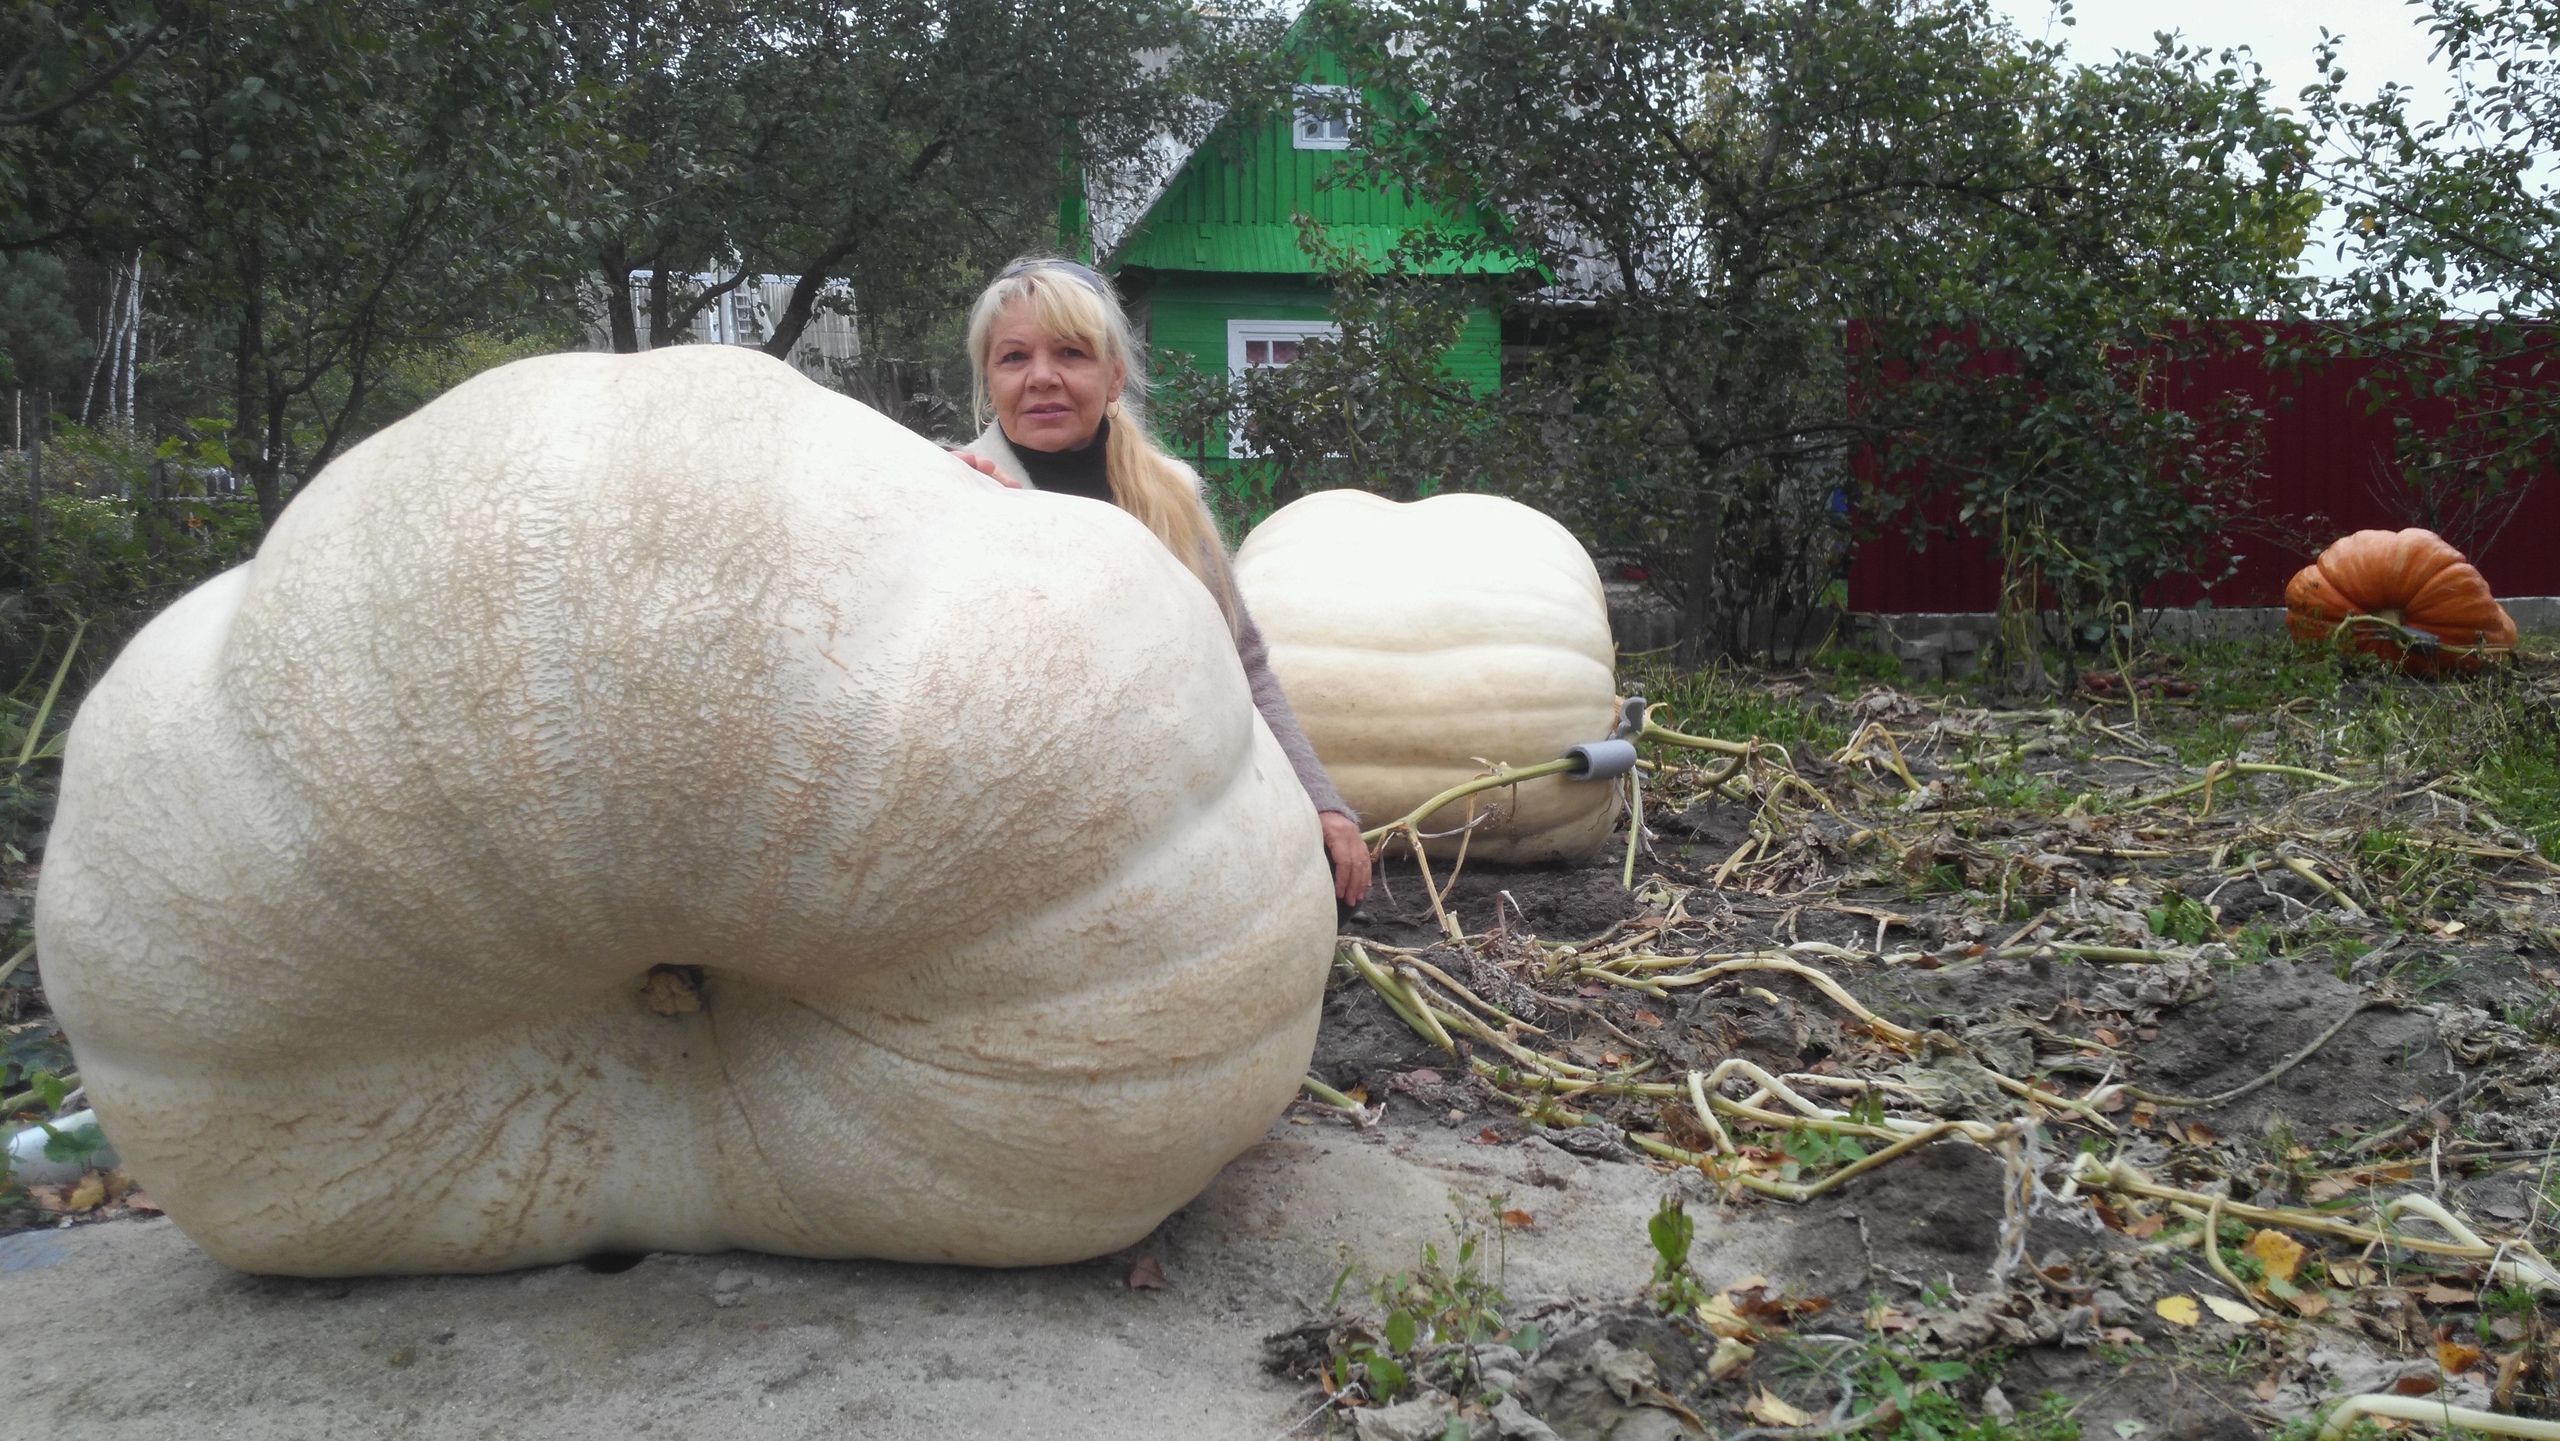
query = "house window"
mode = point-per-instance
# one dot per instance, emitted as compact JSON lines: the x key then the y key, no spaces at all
{"x":1323,"y":118}
{"x":1261,"y":344}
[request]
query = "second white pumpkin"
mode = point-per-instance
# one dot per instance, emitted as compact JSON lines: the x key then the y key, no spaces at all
{"x":1419,"y":640}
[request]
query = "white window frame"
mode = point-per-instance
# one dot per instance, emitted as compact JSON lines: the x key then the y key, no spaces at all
{"x":1240,"y":331}
{"x":1304,"y":123}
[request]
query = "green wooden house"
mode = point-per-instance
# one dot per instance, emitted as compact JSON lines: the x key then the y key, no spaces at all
{"x":1213,"y":265}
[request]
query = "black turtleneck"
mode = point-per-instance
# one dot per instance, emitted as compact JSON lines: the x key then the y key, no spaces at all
{"x":1070,"y":472}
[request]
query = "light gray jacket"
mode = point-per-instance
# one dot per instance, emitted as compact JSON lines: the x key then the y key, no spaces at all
{"x":1250,"y":649}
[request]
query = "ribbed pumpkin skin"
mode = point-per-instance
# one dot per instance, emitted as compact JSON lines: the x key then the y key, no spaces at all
{"x":2412,"y":577}
{"x":1418,"y":640}
{"x":1014,"y":921}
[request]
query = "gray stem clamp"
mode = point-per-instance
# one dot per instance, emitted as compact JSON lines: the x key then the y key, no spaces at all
{"x":1609,"y":759}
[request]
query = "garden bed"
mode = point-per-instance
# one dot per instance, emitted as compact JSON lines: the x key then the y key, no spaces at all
{"x":2328,"y":979}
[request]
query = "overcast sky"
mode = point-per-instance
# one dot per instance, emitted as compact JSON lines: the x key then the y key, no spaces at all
{"x":2384,"y":40}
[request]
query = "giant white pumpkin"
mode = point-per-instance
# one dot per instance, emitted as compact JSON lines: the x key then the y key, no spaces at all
{"x":1010,"y":918}
{"x":1418,"y":640}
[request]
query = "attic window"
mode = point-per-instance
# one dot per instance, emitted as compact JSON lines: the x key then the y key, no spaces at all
{"x":1324,"y":118}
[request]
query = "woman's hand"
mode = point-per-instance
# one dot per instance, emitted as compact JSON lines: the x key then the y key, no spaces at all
{"x":985,"y":467}
{"x":1350,"y":856}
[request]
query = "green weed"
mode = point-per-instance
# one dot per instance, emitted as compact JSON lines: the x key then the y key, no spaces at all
{"x":2182,"y":918}
{"x":1728,"y":702}
{"x":1675,"y":1288}
{"x":1437,"y":1313}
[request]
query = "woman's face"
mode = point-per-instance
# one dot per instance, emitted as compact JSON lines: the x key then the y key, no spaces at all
{"x":1049,"y":390}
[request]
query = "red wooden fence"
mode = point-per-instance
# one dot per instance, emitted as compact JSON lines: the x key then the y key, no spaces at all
{"x":2326,"y":471}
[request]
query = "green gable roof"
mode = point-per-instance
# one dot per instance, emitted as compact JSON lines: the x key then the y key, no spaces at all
{"x":1233,"y":206}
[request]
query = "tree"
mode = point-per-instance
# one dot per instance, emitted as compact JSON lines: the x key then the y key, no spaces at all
{"x":2452,"y":228}
{"x":1726,"y":189}
{"x":902,"y":146}
{"x":65,"y":65}
{"x":320,"y":184}
{"x":40,"y":344}
{"x":2158,"y":204}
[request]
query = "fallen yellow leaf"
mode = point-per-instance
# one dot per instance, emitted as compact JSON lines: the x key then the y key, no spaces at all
{"x":1768,"y":1410}
{"x":1730,"y":1356}
{"x":2351,"y":1273}
{"x":2278,"y":1252}
{"x":86,"y":1196}
{"x":2178,"y":1309}
{"x":2232,"y":1311}
{"x":1717,"y":1315}
{"x":2456,"y":1358}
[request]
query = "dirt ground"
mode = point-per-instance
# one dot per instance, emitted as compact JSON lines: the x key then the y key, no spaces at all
{"x":2143,"y":985}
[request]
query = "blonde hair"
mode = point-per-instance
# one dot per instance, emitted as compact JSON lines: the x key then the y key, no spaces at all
{"x":1074,"y":303}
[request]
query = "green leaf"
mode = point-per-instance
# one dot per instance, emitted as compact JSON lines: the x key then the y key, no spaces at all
{"x":1528,"y":1338}
{"x":73,"y":1146}
{"x":1944,"y":1370}
{"x":1386,"y":1378}
{"x":1671,"y":1231}
{"x":1400,"y":1331}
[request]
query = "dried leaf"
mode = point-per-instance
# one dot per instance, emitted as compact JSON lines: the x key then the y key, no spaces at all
{"x":2456,"y":1357}
{"x":2413,"y":1386}
{"x":2200,"y":1134}
{"x":2265,"y":1390}
{"x":1518,"y":1220}
{"x":2146,"y":1227}
{"x":2278,"y":1252}
{"x":2309,"y":1304}
{"x":2232,"y":1311}
{"x":2178,"y":1310}
{"x":140,"y":1204}
{"x":1731,"y":1356}
{"x":2510,"y":1371}
{"x":1768,"y":1410}
{"x":2327,"y":1188}
{"x":86,"y":1194}
{"x":2440,"y":1294}
{"x":2352,"y":1273}
{"x":1717,"y":1315}
{"x":1147,"y":1275}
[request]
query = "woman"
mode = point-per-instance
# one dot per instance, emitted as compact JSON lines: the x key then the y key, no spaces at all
{"x":1056,"y":365}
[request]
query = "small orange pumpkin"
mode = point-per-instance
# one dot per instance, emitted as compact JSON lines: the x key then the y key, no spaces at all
{"x":2411,"y":580}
